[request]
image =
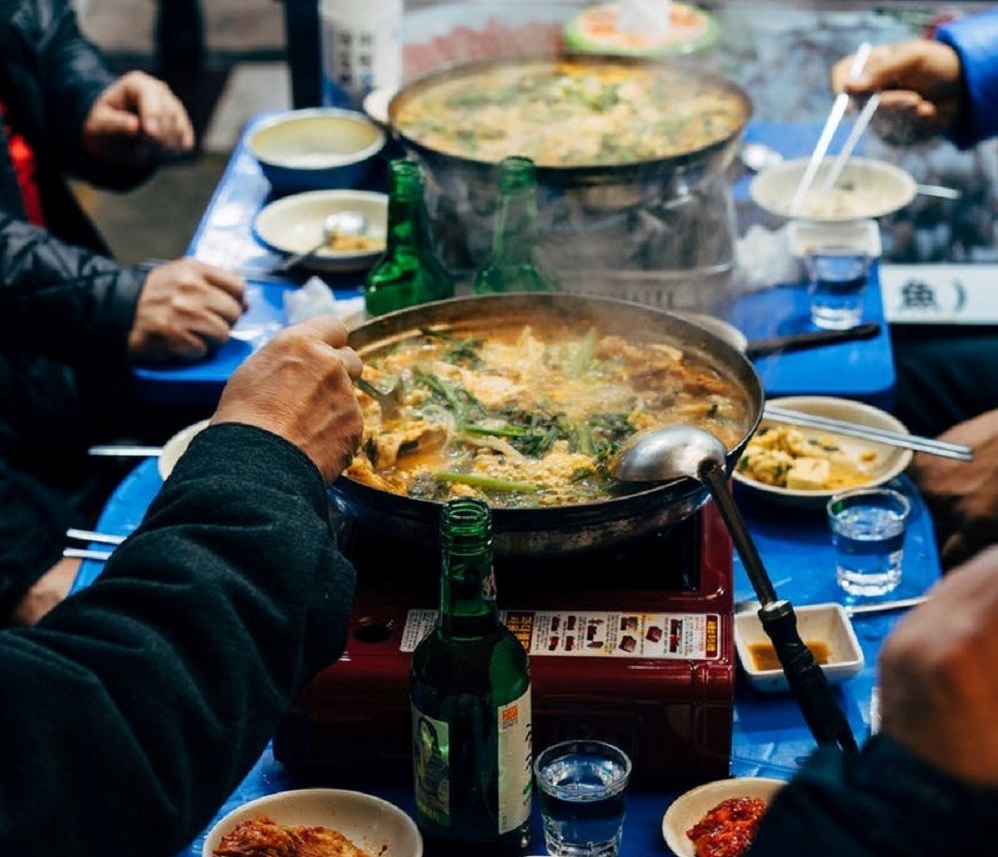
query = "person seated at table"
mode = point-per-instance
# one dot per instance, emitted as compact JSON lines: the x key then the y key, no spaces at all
{"x":72,"y":319}
{"x":946,"y":381}
{"x":136,"y":706}
{"x":945,"y":85}
{"x":927,"y":784}
{"x":962,"y":497}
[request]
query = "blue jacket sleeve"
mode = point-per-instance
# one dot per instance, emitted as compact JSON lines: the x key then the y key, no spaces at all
{"x":975,"y":39}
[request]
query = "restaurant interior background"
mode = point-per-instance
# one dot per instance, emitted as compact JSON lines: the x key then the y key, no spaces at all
{"x":260,"y":55}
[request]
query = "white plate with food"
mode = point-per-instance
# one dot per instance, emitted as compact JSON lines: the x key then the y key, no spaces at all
{"x":691,"y":809}
{"x":824,"y":628}
{"x":805,"y":466}
{"x":294,"y":224}
{"x":346,"y":823}
{"x":866,"y":188}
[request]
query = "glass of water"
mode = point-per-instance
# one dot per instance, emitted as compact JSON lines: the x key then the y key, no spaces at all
{"x":836,"y":285}
{"x":582,"y":786}
{"x":868,"y":527}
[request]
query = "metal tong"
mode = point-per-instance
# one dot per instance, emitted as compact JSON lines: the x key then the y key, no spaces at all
{"x":839,"y":107}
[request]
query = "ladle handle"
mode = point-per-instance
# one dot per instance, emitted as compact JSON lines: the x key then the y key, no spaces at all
{"x":807,"y":681}
{"x":715,"y":478}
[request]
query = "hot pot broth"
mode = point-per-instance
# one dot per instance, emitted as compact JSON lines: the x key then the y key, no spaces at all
{"x":528,"y":413}
{"x":572,"y":113}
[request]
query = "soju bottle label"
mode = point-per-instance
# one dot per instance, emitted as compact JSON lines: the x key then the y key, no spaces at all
{"x":515,"y":763}
{"x":432,"y":765}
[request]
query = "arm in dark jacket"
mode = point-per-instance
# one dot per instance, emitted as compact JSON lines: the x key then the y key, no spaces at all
{"x":133,"y":710}
{"x":881,"y":803}
{"x":63,"y":301}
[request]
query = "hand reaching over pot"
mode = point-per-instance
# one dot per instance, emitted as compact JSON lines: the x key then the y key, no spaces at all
{"x":300,"y":387}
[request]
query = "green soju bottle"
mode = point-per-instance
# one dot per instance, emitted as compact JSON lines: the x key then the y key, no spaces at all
{"x":512,"y":265}
{"x":409,"y":272}
{"x":470,"y":692}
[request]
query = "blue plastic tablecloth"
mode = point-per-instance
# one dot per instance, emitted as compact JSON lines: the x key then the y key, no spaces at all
{"x":769,"y":735}
{"x":862,"y":370}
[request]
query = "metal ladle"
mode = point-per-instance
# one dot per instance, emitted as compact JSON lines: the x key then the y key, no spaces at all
{"x":685,"y":451}
{"x":347,"y":223}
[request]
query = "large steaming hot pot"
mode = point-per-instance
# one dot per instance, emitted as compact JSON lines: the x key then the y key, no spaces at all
{"x":564,"y":529}
{"x":611,"y":137}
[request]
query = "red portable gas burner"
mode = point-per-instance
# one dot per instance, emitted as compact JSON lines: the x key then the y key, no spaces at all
{"x":631,"y":645}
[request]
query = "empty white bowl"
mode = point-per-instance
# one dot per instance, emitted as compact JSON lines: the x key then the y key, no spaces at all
{"x":686,"y":810}
{"x":177,"y":446}
{"x":293,"y":224}
{"x":374,"y":825}
{"x":316,"y":148}
{"x":826,"y":625}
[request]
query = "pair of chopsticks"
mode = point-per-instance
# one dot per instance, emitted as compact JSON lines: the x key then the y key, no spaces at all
{"x":839,"y":107}
{"x":875,"y":435}
{"x":90,"y":537}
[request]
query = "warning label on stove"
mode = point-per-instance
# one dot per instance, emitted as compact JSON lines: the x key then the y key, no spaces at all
{"x":681,"y":636}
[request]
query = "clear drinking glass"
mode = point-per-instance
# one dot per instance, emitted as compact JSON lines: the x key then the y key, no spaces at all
{"x":837,"y":279}
{"x":582,"y":787}
{"x":868,"y":527}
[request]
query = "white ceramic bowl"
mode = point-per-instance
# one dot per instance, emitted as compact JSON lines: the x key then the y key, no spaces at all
{"x":888,"y":461}
{"x":866,"y":188}
{"x":826,"y":624}
{"x":177,"y":446}
{"x":372,"y":824}
{"x":316,"y":148}
{"x":689,"y":808}
{"x":293,"y":224}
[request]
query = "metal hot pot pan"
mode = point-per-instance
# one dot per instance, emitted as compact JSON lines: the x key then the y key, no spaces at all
{"x":557,"y":530}
{"x":583,"y":200}
{"x":697,"y":147}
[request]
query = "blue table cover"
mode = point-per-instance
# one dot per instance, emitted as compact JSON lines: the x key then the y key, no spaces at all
{"x":769,"y":736}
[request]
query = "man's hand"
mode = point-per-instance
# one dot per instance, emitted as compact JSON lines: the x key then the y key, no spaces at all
{"x":920,"y":88}
{"x":137,"y":122}
{"x":45,"y":593}
{"x":185,"y":308}
{"x":299,"y":386}
{"x":939,"y":698}
{"x":963,"y":495}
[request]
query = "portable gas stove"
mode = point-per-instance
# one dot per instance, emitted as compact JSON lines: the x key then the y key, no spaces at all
{"x":632,"y":645}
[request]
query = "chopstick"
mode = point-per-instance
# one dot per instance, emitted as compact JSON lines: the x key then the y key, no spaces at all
{"x":865,"y":115}
{"x":86,"y":553}
{"x":876,"y":435}
{"x":835,"y":115}
{"x":885,"y":606}
{"x":125,"y":451}
{"x":91,"y":536}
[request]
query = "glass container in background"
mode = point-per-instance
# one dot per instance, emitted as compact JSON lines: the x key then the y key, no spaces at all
{"x":512,"y":265}
{"x":836,"y":285}
{"x":409,"y":272}
{"x":361,"y":49}
{"x":471,"y":716}
{"x":582,"y":788}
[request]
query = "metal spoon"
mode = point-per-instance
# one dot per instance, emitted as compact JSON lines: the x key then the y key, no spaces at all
{"x":338,"y":223}
{"x":390,"y":400}
{"x":686,"y":451}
